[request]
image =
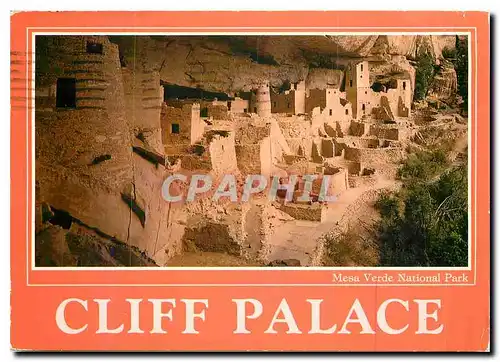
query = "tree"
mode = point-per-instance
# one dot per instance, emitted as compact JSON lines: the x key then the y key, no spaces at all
{"x":426,"y":223}
{"x":423,"y":165}
{"x":423,"y":75}
{"x":462,"y":68}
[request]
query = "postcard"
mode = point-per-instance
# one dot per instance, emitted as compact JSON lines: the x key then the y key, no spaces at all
{"x":250,"y":181}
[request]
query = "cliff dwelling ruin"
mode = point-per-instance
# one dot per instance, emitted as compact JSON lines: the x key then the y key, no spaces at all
{"x":117,"y":115}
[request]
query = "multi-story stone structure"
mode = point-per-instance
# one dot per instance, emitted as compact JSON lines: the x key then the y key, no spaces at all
{"x":98,"y":140}
{"x":396,"y":102}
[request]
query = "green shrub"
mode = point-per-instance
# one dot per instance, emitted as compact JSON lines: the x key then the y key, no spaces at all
{"x":423,"y":165}
{"x":350,"y":249}
{"x":426,"y":224}
{"x":423,"y":75}
{"x":388,"y":205}
{"x":449,"y":53}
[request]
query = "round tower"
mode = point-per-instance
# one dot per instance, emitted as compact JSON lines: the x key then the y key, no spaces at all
{"x":262,"y":105}
{"x":82,"y":139}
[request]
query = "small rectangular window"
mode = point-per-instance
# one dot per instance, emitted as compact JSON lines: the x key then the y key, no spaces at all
{"x":331,"y":112}
{"x":66,"y":93}
{"x":361,"y":67}
{"x":245,"y":110}
{"x":175,"y":128}
{"x":123,"y":62}
{"x":404,"y":85}
{"x":346,"y":112}
{"x":350,"y":83}
{"x":274,"y":104}
{"x":94,"y":48}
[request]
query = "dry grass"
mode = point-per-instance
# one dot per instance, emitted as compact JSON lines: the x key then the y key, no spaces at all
{"x":208,"y":259}
{"x":351,"y":249}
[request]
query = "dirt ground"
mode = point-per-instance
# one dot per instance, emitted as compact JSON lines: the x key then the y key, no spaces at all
{"x":209,"y":259}
{"x":298,"y":239}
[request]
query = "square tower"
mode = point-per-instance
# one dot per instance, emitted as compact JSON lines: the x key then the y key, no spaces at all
{"x":406,"y":95}
{"x":357,"y":86}
{"x":300,"y":97}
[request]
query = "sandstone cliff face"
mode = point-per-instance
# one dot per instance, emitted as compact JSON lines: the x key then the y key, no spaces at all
{"x":396,"y":67}
{"x":55,"y":246}
{"x":439,"y":42}
{"x":444,"y":84}
{"x":206,"y":63}
{"x":411,"y":46}
{"x":402,"y":45}
{"x":318,"y":77}
{"x":239,"y":63}
{"x":349,"y":45}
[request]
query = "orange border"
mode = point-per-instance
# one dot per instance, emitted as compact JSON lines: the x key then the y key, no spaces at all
{"x":238,"y":276}
{"x":457,"y":298}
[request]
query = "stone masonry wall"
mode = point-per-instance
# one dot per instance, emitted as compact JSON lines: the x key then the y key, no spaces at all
{"x":70,"y":142}
{"x":85,"y":163}
{"x":223,"y":155}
